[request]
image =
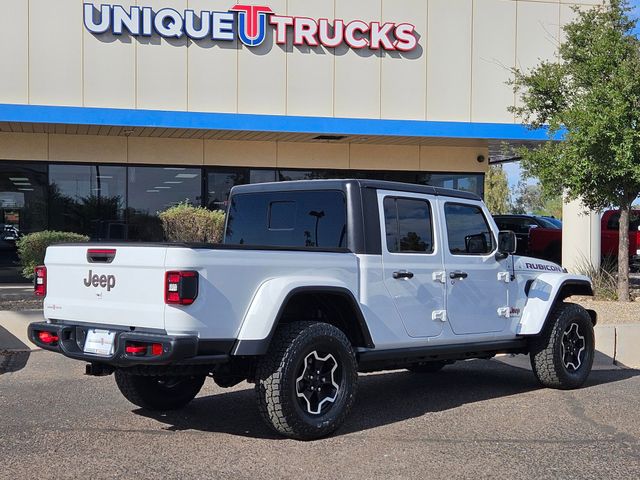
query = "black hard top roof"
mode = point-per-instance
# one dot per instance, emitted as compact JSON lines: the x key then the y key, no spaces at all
{"x":343,"y":184}
{"x":520,"y":215}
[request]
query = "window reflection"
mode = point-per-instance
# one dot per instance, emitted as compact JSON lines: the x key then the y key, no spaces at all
{"x":220,"y":184}
{"x":88,"y":199}
{"x":292,"y":219}
{"x":23,"y":209}
{"x":408,"y":225}
{"x":467,"y":230}
{"x":155,"y":189}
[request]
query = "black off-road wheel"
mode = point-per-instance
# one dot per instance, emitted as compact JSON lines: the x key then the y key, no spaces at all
{"x":427,"y":367}
{"x":306,"y":383}
{"x":562,"y":356}
{"x":156,"y":392}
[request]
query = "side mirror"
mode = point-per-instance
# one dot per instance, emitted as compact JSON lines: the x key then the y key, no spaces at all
{"x":507,"y":243}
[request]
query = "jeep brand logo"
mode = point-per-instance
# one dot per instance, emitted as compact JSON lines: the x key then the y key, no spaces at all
{"x":108,"y":281}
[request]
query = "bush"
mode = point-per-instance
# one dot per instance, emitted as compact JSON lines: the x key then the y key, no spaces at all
{"x":186,"y":223}
{"x":32,"y":247}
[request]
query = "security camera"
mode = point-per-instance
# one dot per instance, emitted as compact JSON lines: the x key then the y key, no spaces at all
{"x":480,"y":158}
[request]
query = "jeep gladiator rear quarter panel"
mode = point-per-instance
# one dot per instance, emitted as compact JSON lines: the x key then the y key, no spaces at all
{"x":229,"y":280}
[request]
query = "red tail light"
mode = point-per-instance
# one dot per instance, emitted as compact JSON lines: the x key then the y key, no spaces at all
{"x":136,"y":349}
{"x":181,"y":288}
{"x":48,"y":338}
{"x":143,"y":349}
{"x":40,"y":281}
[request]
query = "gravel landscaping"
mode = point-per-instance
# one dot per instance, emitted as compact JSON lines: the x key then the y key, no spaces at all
{"x":611,"y":312}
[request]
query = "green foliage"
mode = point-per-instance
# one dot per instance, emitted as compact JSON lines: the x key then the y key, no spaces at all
{"x":32,"y":247}
{"x":533,"y":199}
{"x":496,"y":190}
{"x":186,"y":223}
{"x":591,"y":95}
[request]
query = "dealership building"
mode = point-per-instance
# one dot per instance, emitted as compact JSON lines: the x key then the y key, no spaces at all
{"x":110,"y":113}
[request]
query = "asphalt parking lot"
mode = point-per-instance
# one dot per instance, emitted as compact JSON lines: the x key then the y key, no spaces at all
{"x":476,"y":419}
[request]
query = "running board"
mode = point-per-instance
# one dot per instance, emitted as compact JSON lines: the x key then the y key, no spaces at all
{"x":371,"y":360}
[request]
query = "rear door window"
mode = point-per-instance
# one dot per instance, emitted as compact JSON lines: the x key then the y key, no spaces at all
{"x":408,"y":225}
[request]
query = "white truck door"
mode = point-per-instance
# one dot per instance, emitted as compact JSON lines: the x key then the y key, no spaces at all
{"x":476,"y":282}
{"x":412,"y":260}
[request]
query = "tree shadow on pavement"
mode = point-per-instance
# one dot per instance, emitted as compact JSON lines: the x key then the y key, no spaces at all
{"x":383,"y":398}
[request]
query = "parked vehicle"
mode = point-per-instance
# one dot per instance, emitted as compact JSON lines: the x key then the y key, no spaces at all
{"x":522,"y":224}
{"x":546,"y":243}
{"x":315,"y":281}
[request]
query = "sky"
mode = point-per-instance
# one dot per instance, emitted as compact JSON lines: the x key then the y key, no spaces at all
{"x":513,"y":169}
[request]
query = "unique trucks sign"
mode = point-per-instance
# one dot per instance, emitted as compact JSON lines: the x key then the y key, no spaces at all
{"x":249,"y":24}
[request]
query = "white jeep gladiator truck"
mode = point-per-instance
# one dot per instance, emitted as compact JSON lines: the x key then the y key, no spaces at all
{"x":315,"y":281}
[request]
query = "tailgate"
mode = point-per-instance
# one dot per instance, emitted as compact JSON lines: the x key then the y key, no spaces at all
{"x":127,"y":292}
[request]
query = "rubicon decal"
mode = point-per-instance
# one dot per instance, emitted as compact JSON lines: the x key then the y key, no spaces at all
{"x":250,"y":24}
{"x":543,"y":267}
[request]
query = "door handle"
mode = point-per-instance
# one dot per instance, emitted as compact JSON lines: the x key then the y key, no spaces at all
{"x":458,"y":274}
{"x":402,"y":274}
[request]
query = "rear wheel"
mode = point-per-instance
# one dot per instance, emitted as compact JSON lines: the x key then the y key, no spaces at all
{"x":158,"y":392}
{"x":427,"y":367}
{"x":562,"y":356}
{"x":306,"y":383}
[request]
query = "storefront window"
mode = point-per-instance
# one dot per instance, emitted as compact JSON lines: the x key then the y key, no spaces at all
{"x":220,"y":183}
{"x":23,"y":209}
{"x":262,"y":176}
{"x":88,"y":199}
{"x":289,"y":175}
{"x":154,"y":189}
{"x":468,"y":182}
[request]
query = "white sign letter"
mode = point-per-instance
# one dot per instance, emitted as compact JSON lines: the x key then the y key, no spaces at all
{"x":350,"y":34}
{"x":168,"y":23}
{"x":406,"y":39}
{"x":281,"y":24}
{"x":338,"y":33}
{"x":190,"y":24}
{"x":222,"y":28}
{"x":122,"y":19}
{"x":105,"y":18}
{"x":380,"y":36}
{"x":305,"y":31}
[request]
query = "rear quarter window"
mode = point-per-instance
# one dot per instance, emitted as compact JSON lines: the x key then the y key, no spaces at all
{"x":311,"y":219}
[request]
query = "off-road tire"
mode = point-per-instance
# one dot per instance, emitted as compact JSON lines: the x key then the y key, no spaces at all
{"x":427,"y":367}
{"x":546,"y":351}
{"x":156,"y":392}
{"x":278,"y":371}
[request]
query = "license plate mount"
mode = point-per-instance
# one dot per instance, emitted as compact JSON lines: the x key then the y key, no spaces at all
{"x":99,"y":342}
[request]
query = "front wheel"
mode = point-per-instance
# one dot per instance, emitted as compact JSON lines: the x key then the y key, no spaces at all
{"x":306,"y":383}
{"x":562,"y":356}
{"x":158,"y":392}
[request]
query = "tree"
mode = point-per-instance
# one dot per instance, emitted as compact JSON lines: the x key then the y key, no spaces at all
{"x":496,"y":190}
{"x":532,"y":198}
{"x":591,"y":97}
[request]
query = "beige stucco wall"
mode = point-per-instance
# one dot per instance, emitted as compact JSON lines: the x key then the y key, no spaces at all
{"x":176,"y":151}
{"x":458,"y":73}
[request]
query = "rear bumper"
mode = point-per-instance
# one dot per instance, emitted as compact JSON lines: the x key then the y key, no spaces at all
{"x":177,"y":350}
